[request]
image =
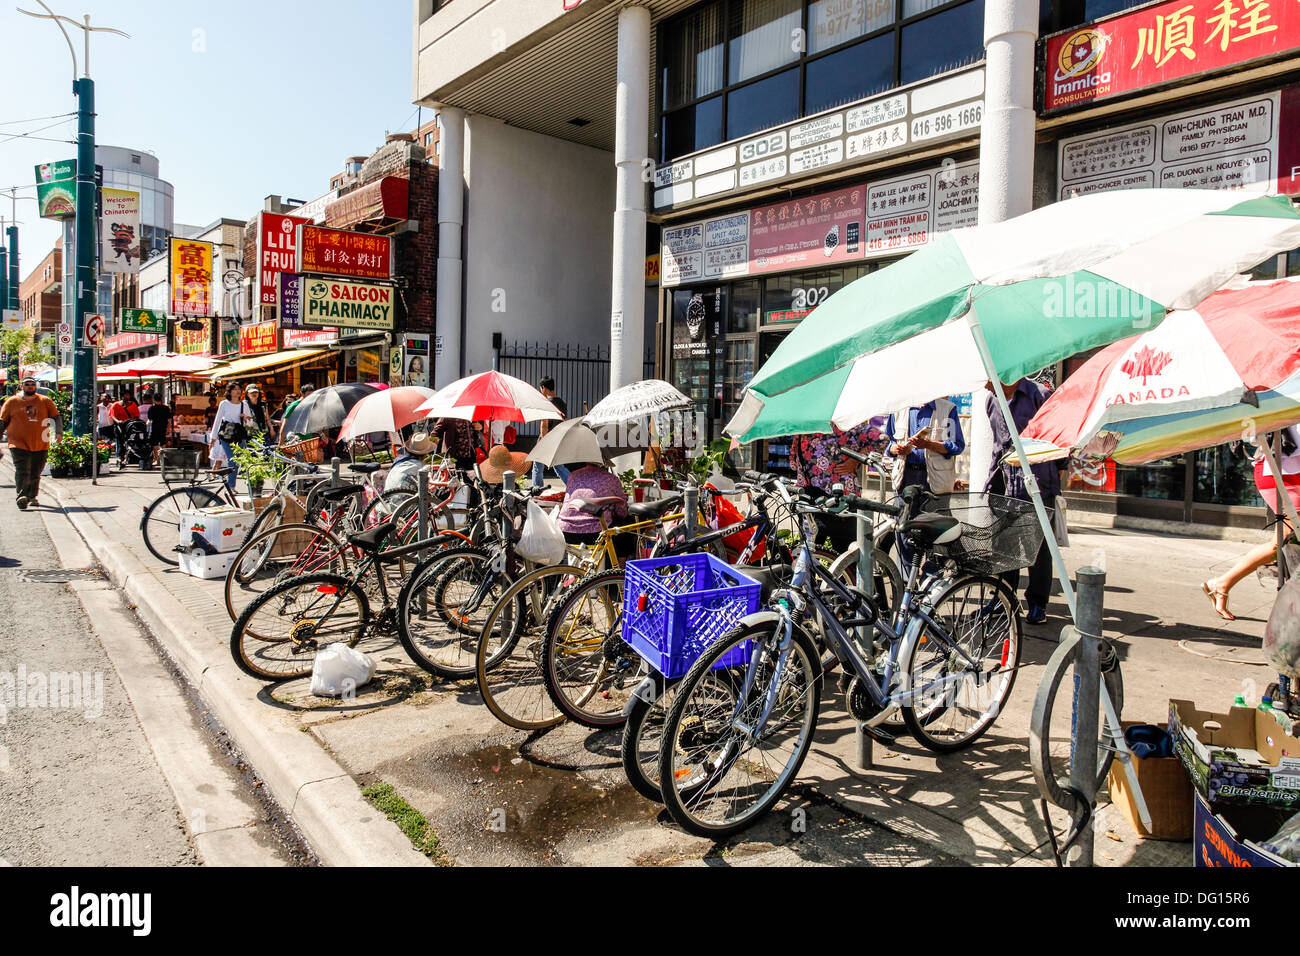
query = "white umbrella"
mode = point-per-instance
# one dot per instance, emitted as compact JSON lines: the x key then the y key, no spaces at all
{"x":635,"y":401}
{"x":568,"y":443}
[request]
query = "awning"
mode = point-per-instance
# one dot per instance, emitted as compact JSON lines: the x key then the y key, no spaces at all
{"x":244,"y":368}
{"x":360,"y":342}
{"x":387,"y":198}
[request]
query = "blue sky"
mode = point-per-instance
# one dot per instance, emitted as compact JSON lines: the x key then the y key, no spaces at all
{"x":238,"y":99}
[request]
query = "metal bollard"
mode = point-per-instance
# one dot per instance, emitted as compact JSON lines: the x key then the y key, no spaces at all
{"x":1091,"y":587}
{"x":867,"y":580}
{"x":691,"y":508}
{"x":423,"y":512}
{"x":335,"y":465}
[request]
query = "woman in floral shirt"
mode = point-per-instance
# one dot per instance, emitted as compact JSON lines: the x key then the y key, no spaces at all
{"x":818,"y":463}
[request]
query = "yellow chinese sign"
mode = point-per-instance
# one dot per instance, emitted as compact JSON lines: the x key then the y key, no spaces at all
{"x":191,"y":277}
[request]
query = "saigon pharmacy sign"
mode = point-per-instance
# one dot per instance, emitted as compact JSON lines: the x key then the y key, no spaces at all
{"x":352,"y":305}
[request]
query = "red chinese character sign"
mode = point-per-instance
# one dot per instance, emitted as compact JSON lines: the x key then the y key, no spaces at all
{"x":277,"y":252}
{"x":258,"y":339}
{"x":805,"y":233}
{"x":1163,"y":43}
{"x":191,"y":275}
{"x":335,"y":252}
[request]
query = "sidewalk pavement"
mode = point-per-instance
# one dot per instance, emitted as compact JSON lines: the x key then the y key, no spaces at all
{"x":501,"y":796}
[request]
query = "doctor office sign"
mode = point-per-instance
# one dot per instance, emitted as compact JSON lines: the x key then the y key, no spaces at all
{"x":353,"y":305}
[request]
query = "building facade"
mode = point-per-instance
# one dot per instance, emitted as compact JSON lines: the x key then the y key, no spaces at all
{"x":40,"y":294}
{"x":745,"y":159}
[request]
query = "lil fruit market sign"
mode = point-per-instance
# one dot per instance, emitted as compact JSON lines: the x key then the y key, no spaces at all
{"x":1161,"y":44}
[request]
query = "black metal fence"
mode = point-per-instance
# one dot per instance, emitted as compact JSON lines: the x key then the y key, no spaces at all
{"x":581,"y":372}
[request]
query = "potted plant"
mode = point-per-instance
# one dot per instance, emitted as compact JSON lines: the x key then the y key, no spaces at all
{"x":61,"y":456}
{"x":256,"y":466}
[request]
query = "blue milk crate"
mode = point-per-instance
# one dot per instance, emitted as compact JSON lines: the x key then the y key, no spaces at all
{"x":690,"y":601}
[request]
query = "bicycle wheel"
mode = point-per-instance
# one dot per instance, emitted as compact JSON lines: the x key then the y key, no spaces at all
{"x":1051,"y":729}
{"x":726,"y":768}
{"x":277,"y":554}
{"x":161,"y":520}
{"x":953,"y":700}
{"x":442,"y":609}
{"x":590,"y":672}
{"x":272,"y":515}
{"x":278,"y":635}
{"x":382,"y":508}
{"x":888,"y":580}
{"x":508,"y":659}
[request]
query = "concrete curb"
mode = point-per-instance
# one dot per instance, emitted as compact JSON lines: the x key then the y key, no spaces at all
{"x":314,"y":789}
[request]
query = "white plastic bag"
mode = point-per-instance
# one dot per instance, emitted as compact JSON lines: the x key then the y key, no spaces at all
{"x":339,"y":670}
{"x":541,"y":541}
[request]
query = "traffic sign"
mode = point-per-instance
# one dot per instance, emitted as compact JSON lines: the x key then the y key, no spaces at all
{"x":94,"y":330}
{"x":12,"y":319}
{"x":65,"y":337}
{"x":153,"y":321}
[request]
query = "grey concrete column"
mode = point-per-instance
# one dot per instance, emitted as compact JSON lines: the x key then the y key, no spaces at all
{"x":451,"y":223}
{"x":1007,"y":133}
{"x":632,"y":119}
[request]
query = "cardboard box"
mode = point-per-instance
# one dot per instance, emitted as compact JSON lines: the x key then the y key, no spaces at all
{"x":1166,"y":790}
{"x":206,"y":566}
{"x":255,"y":505}
{"x":1250,"y":760}
{"x":1225,"y":839}
{"x":224,"y":528}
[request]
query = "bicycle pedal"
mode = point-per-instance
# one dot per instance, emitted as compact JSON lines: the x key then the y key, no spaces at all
{"x":878,"y":735}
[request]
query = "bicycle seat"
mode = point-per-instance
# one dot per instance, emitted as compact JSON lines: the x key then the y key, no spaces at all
{"x":370,"y":540}
{"x":769,"y":576}
{"x":341,"y":492}
{"x":645,"y":510}
{"x":594,"y":506}
{"x":932,"y":529}
{"x":365,"y":468}
{"x":221,"y":472}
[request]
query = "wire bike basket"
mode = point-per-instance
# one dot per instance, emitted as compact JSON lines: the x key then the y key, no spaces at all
{"x":179,"y":465}
{"x":674,"y":608}
{"x":998,"y":534}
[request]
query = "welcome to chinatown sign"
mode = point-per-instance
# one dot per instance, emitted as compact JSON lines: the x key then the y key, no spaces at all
{"x":1161,"y":44}
{"x":349,"y":305}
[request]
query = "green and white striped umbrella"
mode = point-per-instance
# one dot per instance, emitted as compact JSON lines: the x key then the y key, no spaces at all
{"x":1062,"y":279}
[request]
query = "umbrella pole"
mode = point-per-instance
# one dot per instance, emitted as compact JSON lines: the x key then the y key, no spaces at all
{"x":1031,"y":483}
{"x":1283,"y":500}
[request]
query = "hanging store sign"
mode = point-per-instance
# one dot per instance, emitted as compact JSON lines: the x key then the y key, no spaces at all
{"x":56,"y":189}
{"x":305,"y":338}
{"x":415,"y":360}
{"x":1220,"y":147}
{"x":194,"y":341}
{"x":191,"y":276}
{"x":277,"y":251}
{"x":357,"y":255}
{"x":119,"y":231}
{"x":127,"y":342}
{"x":1160,"y":44}
{"x":353,"y":305}
{"x":144,"y":320}
{"x":290,"y":298}
{"x":926,"y":114}
{"x":258,"y":339}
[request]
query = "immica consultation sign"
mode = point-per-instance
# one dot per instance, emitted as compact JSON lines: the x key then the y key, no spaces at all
{"x":353,"y":305}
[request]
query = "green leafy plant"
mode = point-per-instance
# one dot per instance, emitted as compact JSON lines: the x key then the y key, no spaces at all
{"x":74,"y":451}
{"x":713,"y":459}
{"x":256,"y":466}
{"x":628,"y":479}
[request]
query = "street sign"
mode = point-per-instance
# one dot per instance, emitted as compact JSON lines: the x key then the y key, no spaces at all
{"x":94,"y":330}
{"x":153,"y":321}
{"x":65,"y":337}
{"x":12,"y":319}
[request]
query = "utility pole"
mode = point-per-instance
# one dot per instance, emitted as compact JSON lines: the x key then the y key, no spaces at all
{"x":83,"y":369}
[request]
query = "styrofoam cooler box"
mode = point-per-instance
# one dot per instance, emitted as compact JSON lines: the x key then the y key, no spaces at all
{"x":223,"y":528}
{"x":207,"y":566}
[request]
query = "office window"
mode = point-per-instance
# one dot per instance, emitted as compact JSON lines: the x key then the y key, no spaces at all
{"x":944,"y":41}
{"x":731,"y":68}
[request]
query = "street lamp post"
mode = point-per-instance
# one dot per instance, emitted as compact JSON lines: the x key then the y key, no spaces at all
{"x":83,"y":368}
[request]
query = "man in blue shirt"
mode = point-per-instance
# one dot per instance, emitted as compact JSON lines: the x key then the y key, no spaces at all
{"x":926,"y":446}
{"x":1024,"y":398}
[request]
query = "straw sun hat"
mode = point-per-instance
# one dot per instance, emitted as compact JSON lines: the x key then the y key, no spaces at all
{"x":500,"y":460}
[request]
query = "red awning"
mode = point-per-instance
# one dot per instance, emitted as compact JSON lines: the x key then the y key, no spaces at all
{"x":386,"y":198}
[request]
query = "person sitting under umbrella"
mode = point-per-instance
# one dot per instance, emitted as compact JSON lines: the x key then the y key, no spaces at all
{"x":417,"y":446}
{"x":582,"y":527}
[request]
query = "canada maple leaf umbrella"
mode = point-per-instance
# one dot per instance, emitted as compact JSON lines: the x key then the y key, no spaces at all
{"x":1229,"y":368}
{"x":1002,"y":300}
{"x":325,"y":408}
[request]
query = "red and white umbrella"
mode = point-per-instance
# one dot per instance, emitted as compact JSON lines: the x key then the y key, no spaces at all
{"x":169,"y":363}
{"x":491,"y":396}
{"x":389,"y":410}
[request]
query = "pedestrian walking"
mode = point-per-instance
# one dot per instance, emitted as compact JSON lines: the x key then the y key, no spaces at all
{"x":28,"y":420}
{"x":120,"y":415}
{"x":547,"y":387}
{"x":260,"y":410}
{"x":160,"y":416}
{"x":926,"y":440}
{"x":1024,"y":398}
{"x":230,"y":428}
{"x":1288,"y":455}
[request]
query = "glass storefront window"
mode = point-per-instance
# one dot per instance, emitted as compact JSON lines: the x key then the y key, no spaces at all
{"x":746,"y":301}
{"x":693,"y":56}
{"x":849,"y":75}
{"x":832,"y":22}
{"x":1267,"y":269}
{"x":693,"y":127}
{"x":942,"y":42}
{"x":792,"y":298}
{"x":1096,"y":9}
{"x":1164,"y":479}
{"x":1222,"y":479}
{"x":766,"y":103}
{"x":763,"y":37}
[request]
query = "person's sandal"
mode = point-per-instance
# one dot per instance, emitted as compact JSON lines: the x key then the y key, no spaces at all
{"x":1214,"y":594}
